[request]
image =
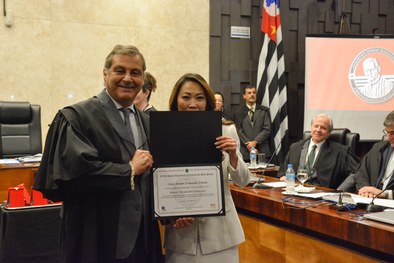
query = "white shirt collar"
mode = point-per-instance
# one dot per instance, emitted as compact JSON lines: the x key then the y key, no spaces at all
{"x":318,"y":145}
{"x":118,"y":106}
{"x":253,"y":107}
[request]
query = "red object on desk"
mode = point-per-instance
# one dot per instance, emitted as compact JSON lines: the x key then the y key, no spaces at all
{"x":37,"y":198}
{"x":18,"y":196}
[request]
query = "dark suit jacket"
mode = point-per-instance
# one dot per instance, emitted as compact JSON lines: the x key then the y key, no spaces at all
{"x":86,"y":165}
{"x":334,"y":162}
{"x":368,"y":172}
{"x":260,"y":131}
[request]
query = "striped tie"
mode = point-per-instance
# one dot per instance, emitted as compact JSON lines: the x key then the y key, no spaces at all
{"x":251,"y":114}
{"x":311,"y":157}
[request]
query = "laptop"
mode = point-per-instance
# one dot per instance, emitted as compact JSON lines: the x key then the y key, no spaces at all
{"x":385,"y":216}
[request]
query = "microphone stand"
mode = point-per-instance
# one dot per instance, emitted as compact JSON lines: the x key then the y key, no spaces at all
{"x":258,"y":184}
{"x":371,"y":207}
{"x":339,"y":206}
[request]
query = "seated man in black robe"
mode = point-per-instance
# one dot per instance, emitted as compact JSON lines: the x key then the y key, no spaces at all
{"x":331,"y":163}
{"x":375,"y":174}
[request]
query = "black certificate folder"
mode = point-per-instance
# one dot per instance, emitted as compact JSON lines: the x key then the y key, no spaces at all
{"x":187,"y":173}
{"x":179,"y":138}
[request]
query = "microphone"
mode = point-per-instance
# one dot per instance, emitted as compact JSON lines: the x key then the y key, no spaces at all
{"x":371,"y":207}
{"x":339,"y":206}
{"x":258,"y":184}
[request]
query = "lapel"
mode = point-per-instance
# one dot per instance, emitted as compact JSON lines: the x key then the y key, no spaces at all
{"x":144,"y":121}
{"x":115,"y":119}
{"x":245,"y":112}
{"x":385,"y":153}
{"x":303,"y":153}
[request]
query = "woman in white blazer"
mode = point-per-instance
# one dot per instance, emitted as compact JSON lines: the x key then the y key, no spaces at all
{"x":207,"y":239}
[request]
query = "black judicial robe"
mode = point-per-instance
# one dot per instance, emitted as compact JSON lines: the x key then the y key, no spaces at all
{"x":86,"y":165}
{"x":334,"y":163}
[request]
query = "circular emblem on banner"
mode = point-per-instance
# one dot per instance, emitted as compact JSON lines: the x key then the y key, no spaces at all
{"x":366,"y":79}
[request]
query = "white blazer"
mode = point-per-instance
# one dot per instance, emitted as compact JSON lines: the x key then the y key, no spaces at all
{"x":216,"y":233}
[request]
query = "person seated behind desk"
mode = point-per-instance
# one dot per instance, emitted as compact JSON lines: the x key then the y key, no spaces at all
{"x":377,"y":167}
{"x":329,"y":164}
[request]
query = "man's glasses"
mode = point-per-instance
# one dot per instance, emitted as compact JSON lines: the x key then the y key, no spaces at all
{"x":386,"y":133}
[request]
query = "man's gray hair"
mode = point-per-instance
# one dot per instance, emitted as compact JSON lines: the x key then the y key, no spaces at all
{"x":323,"y":115}
{"x":127,"y":50}
{"x":389,"y":120}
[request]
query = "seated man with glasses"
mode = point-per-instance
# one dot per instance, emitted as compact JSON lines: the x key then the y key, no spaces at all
{"x":376,"y":170}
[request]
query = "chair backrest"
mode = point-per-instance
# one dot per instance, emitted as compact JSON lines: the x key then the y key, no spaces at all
{"x":342,"y":136}
{"x":339,"y":135}
{"x":20,"y":129}
{"x":352,"y":140}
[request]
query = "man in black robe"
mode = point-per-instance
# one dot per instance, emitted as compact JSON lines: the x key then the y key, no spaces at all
{"x":332,"y":162}
{"x":99,"y":166}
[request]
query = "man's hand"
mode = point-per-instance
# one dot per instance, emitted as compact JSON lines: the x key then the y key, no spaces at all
{"x":142,"y":161}
{"x":371,"y":192}
{"x":251,"y":144}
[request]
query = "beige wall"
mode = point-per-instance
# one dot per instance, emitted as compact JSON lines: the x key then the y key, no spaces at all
{"x":53,"y":54}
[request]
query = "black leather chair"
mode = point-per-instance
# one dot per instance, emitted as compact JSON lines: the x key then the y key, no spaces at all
{"x":20,"y":129}
{"x":346,"y":137}
{"x":352,"y":140}
{"x":343,"y":136}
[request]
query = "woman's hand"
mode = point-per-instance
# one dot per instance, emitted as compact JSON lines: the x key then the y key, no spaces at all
{"x":229,"y":145}
{"x":183,"y":222}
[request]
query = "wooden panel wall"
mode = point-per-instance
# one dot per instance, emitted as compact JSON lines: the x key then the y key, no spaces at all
{"x":269,"y":243}
{"x":233,"y":62}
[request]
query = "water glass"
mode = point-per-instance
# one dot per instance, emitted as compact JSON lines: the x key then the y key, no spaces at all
{"x":261,"y":159}
{"x":302,"y":176}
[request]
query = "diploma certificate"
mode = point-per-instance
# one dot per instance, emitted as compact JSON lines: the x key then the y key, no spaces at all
{"x":187,"y":168}
{"x":188,"y":191}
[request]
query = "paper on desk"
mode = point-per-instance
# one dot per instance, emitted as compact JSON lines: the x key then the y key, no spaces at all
{"x":9,"y":161}
{"x":378,"y":201}
{"x":31,"y":158}
{"x":314,"y":195}
{"x":275,"y":184}
{"x":260,"y":166}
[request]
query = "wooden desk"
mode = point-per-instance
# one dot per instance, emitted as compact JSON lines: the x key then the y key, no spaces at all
{"x":277,"y":232}
{"x":14,"y":174}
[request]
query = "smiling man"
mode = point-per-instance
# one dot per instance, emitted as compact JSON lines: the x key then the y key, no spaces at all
{"x":97,"y":161}
{"x":329,"y":163}
{"x":376,"y":170}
